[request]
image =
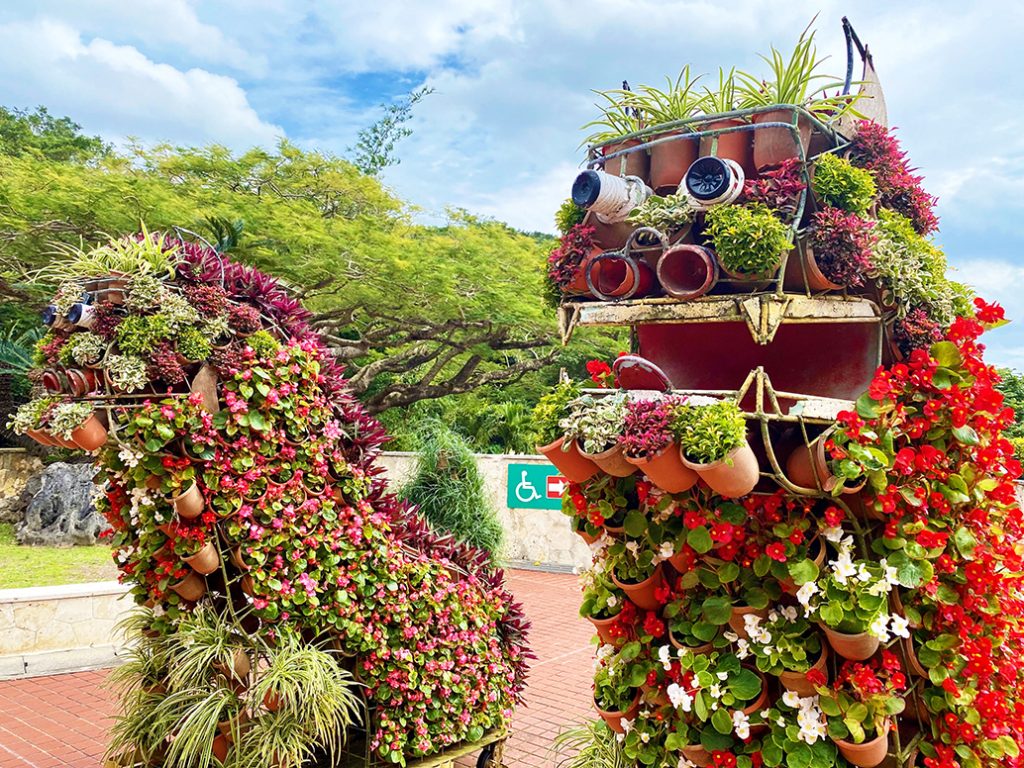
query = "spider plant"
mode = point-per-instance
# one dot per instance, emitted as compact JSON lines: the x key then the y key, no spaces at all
{"x":194,"y":714}
{"x":619,"y":117}
{"x":204,"y":643}
{"x":139,"y":733}
{"x":679,"y":101}
{"x":796,"y":81}
{"x":147,"y":254}
{"x":725,"y":97}
{"x":590,"y":745}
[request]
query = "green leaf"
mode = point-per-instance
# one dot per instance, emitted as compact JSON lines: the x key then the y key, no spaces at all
{"x":803,"y":571}
{"x":867,"y":407}
{"x":966,"y":435}
{"x":721,"y":721}
{"x":635,"y":523}
{"x":699,"y":539}
{"x":717,"y":610}
{"x":946,"y":354}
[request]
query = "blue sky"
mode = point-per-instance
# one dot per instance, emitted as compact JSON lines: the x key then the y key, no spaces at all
{"x":513,"y":77}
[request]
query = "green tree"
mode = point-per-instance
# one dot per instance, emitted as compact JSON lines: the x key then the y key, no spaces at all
{"x":55,"y":138}
{"x":375,"y":145}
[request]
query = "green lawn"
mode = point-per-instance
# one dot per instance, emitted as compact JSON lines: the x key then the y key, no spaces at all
{"x":45,"y":566}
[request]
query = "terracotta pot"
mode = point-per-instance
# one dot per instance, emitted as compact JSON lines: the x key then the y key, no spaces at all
{"x":642,"y":593}
{"x":205,"y":561}
{"x":238,"y":559}
{"x":775,"y":145}
{"x":615,"y":530}
{"x":669,"y":161}
{"x":578,"y":286}
{"x":731,"y":477}
{"x":759,"y":703}
{"x":613,"y":275}
{"x":897,"y":607}
{"x":189,"y":504}
{"x":238,"y":668}
{"x":913,"y":664}
{"x":205,"y":383}
{"x":751,"y":282}
{"x":636,"y":163}
{"x":733,"y":146}
{"x":802,"y":272}
{"x":699,"y":650}
{"x":856,"y":647}
{"x":864,"y":509}
{"x":697,"y":755}
{"x":53,"y":381}
{"x":816,"y":544}
{"x":614,"y":718}
{"x":613,"y":461}
{"x":219,"y":748}
{"x":802,"y":472}
{"x":81,"y":381}
{"x":248,"y":585}
{"x":574,"y":466}
{"x":40,"y":437}
{"x":582,"y":533}
{"x":687,"y":271}
{"x":736,"y":620}
{"x":603,"y":629}
{"x":272,"y":701}
{"x":797,"y":681}
{"x":63,"y":442}
{"x":90,"y":435}
{"x":608,"y":237}
{"x":228,"y":728}
{"x":191,"y":588}
{"x":666,"y":470}
{"x":870,"y":753}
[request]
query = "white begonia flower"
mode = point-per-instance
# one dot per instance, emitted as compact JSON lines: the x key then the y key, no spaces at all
{"x":605,"y":651}
{"x":806,"y":592}
{"x":843,"y":569}
{"x":832,"y":533}
{"x":741,"y":724}
{"x":810,"y":702}
{"x":723,"y":676}
{"x":751,"y":621}
{"x":598,"y":566}
{"x":773,"y":616}
{"x":742,"y":649}
{"x":890,"y":574}
{"x":633,"y":547}
{"x":863,"y":574}
{"x":679,"y":697}
{"x":645,"y":737}
{"x":666,"y":550}
{"x":791,"y":699}
{"x":731,"y":636}
{"x":781,"y":722}
{"x":789,"y":612}
{"x":899,"y":626}
{"x":715,"y":691}
{"x":665,"y":657}
{"x":684,"y":763}
{"x":612,"y":601}
{"x":620,"y":737}
{"x":812,"y":724}
{"x":880,"y":628}
{"x":626,"y":725}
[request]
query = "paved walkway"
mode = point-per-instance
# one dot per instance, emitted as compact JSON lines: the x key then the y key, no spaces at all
{"x":46,"y":722}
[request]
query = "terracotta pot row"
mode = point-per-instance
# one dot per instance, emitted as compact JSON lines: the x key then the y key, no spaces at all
{"x":76,"y":382}
{"x":92,"y":434}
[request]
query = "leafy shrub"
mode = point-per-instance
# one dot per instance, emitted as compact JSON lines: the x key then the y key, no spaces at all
{"x":842,"y":245}
{"x":708,"y":433}
{"x":663,"y":213}
{"x":837,"y":183}
{"x":565,"y":260}
{"x":449,"y":490}
{"x":778,"y":189}
{"x":748,"y":239}
{"x":550,"y":410}
{"x":568,"y":216}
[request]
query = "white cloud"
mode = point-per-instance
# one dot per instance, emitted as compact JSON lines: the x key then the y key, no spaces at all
{"x":116,"y":90}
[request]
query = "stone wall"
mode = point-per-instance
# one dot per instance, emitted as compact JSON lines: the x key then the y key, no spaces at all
{"x":16,"y":467}
{"x":53,"y":629}
{"x":535,"y":537}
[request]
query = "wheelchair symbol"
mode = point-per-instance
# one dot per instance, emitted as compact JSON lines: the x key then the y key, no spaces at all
{"x":525,"y":491}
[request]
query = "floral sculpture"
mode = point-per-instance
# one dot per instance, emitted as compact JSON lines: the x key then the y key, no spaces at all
{"x":241,"y":484}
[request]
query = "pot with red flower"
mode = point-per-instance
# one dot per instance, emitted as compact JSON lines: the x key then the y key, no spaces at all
{"x":860,"y":706}
{"x":649,"y":444}
{"x":550,"y":438}
{"x":196,"y":548}
{"x":713,"y":437}
{"x":913,"y":330}
{"x":810,"y":466}
{"x":596,"y":424}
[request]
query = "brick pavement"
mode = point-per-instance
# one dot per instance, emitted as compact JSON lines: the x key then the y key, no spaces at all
{"x":51,"y":722}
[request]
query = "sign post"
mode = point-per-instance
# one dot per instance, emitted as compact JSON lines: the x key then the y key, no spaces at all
{"x":534,"y":486}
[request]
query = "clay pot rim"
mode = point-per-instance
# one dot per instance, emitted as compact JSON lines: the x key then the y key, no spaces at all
{"x":819,"y":664}
{"x":863,"y":744}
{"x":642,"y":462}
{"x":617,"y":712}
{"x":715,"y":464}
{"x":606,"y":454}
{"x":629,"y":585}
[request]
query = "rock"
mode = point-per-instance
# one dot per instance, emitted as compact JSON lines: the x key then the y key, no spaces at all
{"x":61,"y":512}
{"x":17,"y":471}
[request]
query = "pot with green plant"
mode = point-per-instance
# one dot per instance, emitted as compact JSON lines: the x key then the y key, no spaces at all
{"x":808,"y":466}
{"x":860,"y":706}
{"x":748,"y":240}
{"x":617,"y":684}
{"x":550,"y":438}
{"x":788,"y":646}
{"x":735,"y":145}
{"x":32,"y":418}
{"x":197,"y":549}
{"x":76,"y":425}
{"x":671,"y":215}
{"x":671,"y":154}
{"x":798,"y":83}
{"x":596,"y":424}
{"x":602,"y":606}
{"x":696,"y":620}
{"x":649,"y":444}
{"x":851,"y":600}
{"x":714,"y":444}
{"x":797,"y":726}
{"x":620,"y":115}
{"x":191,"y":587}
{"x":634,"y":570}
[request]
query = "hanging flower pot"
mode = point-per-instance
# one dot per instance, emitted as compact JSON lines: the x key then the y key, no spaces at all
{"x":205,"y":383}
{"x":248,"y":584}
{"x":238,"y":668}
{"x":669,"y":161}
{"x":613,"y":275}
{"x":580,"y":529}
{"x":614,"y":719}
{"x":613,"y":461}
{"x":635,"y":163}
{"x":797,"y":682}
{"x":807,"y":467}
{"x":603,"y":629}
{"x":90,"y":435}
{"x":219,"y":748}
{"x":205,"y":561}
{"x":802,"y":271}
{"x":698,"y":650}
{"x":641,"y":594}
{"x":697,"y":755}
{"x":238,"y":559}
{"x":913,"y":664}
{"x":736,"y":622}
{"x":854,"y":647}
{"x":191,"y":588}
{"x":578,"y":286}
{"x":54,"y":382}
{"x":897,"y":607}
{"x":731,"y":477}
{"x":870,"y":753}
{"x":775,"y":145}
{"x":734,"y":146}
{"x":189,"y":504}
{"x":272,"y":701}
{"x":666,"y":470}
{"x":576,"y":467}
{"x":687,"y":271}
{"x":81,"y":382}
{"x":815,"y":553}
{"x":41,"y":437}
